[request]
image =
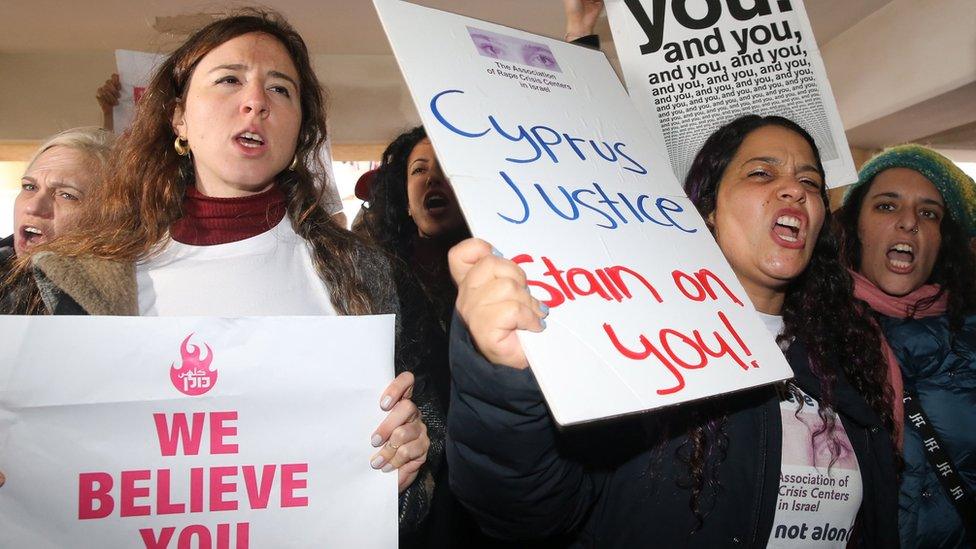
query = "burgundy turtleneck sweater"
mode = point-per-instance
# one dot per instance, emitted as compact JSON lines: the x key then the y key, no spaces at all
{"x":208,"y":221}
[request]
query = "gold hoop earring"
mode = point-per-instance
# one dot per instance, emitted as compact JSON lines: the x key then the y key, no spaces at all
{"x":294,"y":163}
{"x":182,"y":146}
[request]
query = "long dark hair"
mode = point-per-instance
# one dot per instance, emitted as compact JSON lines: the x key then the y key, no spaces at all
{"x":386,"y":221}
{"x":819,"y":311}
{"x":388,"y":224}
{"x":147,"y":180}
{"x":955,"y":266}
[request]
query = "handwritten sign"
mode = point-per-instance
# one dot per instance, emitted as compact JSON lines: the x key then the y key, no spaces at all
{"x":194,"y":432}
{"x":691,"y":68}
{"x":554,"y":167}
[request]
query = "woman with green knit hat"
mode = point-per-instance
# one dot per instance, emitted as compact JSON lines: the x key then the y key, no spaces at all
{"x":906,"y":227}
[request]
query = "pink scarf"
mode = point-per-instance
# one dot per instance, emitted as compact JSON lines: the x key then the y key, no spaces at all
{"x":898,"y":307}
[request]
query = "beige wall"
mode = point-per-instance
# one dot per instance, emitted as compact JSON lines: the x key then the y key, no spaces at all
{"x":43,"y":93}
{"x":904,"y":53}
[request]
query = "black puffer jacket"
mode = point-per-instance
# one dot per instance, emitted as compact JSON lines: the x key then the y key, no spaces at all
{"x":7,"y":257}
{"x":938,"y":365}
{"x":6,"y":249}
{"x":603,"y":485}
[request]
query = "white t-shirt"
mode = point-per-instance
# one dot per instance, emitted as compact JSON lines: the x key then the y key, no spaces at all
{"x":265,"y":275}
{"x":818,"y":501}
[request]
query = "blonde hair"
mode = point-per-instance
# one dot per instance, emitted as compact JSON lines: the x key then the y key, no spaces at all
{"x":18,"y":294}
{"x":94,"y":142}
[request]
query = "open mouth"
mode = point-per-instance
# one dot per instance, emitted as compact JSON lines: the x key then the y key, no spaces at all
{"x":435,"y":202}
{"x":32,"y":235}
{"x":250,"y":140}
{"x":787,"y":227}
{"x":901,"y":256}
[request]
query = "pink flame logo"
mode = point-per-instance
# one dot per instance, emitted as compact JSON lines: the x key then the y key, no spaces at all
{"x":195,"y":377}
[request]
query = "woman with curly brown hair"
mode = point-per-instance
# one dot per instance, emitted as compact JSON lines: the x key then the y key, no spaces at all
{"x":806,"y":463}
{"x":210,"y":208}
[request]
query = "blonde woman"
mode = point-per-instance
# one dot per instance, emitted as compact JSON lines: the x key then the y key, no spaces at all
{"x":58,"y":179}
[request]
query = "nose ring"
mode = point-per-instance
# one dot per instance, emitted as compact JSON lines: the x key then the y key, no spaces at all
{"x":915,"y":229}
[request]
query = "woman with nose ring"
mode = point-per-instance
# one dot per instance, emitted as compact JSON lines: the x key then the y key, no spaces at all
{"x":808,"y":463}
{"x":906,"y":227}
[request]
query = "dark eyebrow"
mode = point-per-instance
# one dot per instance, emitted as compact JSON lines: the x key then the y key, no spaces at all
{"x":421,"y":159}
{"x":240,"y":67}
{"x":283,"y":76}
{"x":893,"y":194}
{"x":778,"y":162}
{"x":233,"y":67}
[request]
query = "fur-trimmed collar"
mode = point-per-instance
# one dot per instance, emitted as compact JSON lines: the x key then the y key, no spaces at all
{"x":6,"y":249}
{"x":99,"y":286}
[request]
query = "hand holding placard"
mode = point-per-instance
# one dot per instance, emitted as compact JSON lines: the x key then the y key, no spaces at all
{"x":691,"y":71}
{"x":581,"y":16}
{"x":403,"y":431}
{"x":551,"y":163}
{"x":108,"y":98}
{"x":494,"y":302}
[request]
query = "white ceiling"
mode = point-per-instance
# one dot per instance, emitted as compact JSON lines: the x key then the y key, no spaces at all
{"x":335,"y":27}
{"x":353,"y":56}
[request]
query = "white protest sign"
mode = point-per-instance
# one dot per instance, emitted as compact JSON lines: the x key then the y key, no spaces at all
{"x":136,"y":69}
{"x":194,"y":432}
{"x":691,"y":67}
{"x":554,"y":167}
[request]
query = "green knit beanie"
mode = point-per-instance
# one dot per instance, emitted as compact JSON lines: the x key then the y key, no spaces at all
{"x":957,"y":189}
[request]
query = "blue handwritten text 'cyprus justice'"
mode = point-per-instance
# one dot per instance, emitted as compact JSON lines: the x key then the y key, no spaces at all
{"x":584,"y":203}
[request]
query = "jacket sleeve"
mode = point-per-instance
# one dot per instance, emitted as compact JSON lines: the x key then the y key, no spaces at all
{"x":503,"y":450}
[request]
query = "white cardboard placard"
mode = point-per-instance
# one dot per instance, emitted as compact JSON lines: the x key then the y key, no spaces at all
{"x":274,"y":449}
{"x":691,"y":67}
{"x":553,"y":165}
{"x":136,"y":69}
